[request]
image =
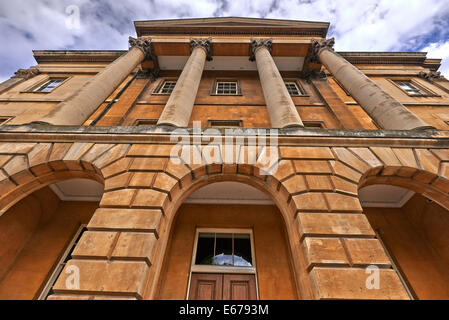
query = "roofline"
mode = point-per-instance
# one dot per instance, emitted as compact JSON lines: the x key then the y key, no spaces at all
{"x":230,"y":17}
{"x":284,"y":27}
{"x":361,"y":57}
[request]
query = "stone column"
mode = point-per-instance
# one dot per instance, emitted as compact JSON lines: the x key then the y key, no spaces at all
{"x":280,"y":105}
{"x":179,"y":106}
{"x":380,"y":106}
{"x":77,"y":108}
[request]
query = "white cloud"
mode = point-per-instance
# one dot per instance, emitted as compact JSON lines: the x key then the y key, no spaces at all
{"x":368,"y":25}
{"x":439,"y":50}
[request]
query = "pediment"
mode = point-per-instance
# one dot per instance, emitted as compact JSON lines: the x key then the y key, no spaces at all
{"x":229,"y":24}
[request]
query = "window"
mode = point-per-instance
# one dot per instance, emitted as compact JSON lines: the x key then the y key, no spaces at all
{"x":4,"y":120}
{"x":314,"y":124}
{"x":411,"y":89}
{"x":167,"y":87}
{"x":224,"y":249}
{"x":225,"y":123}
{"x":48,"y":289}
{"x":294,"y":88}
{"x":49,"y":86}
{"x":145,"y":122}
{"x":226,"y":88}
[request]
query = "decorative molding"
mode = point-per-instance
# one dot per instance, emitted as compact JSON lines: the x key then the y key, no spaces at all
{"x":26,"y":73}
{"x":319,"y":45}
{"x":206,"y":44}
{"x":145,"y":45}
{"x":314,"y":74}
{"x":258,"y":43}
{"x":431,"y":75}
{"x":151,"y":74}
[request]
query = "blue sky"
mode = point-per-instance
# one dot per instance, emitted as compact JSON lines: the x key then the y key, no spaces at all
{"x":357,"y":25}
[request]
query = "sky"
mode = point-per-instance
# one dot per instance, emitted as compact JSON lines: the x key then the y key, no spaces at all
{"x":357,"y":25}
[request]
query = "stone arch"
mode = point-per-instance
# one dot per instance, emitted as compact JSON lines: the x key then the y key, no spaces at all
{"x":27,"y":167}
{"x":407,"y":241}
{"x":430,"y":185}
{"x":25,"y":171}
{"x":195,"y":178}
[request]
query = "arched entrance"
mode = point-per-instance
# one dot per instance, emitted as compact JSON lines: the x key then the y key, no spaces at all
{"x":412,"y":225}
{"x":228,"y":241}
{"x":39,"y":231}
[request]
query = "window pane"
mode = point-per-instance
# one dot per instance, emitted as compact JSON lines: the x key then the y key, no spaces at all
{"x":205,"y":249}
{"x":242,"y":250}
{"x":226,"y":88}
{"x":223,"y":252}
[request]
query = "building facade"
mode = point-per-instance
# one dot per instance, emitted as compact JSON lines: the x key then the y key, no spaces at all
{"x":225,"y":158}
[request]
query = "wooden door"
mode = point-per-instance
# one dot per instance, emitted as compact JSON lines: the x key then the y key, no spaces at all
{"x":206,"y":286}
{"x":214,"y":286}
{"x":239,"y":287}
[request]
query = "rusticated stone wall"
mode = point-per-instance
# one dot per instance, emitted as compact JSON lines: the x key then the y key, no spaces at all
{"x":315,"y":189}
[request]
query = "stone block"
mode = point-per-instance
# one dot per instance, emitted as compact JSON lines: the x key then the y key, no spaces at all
{"x":104,"y":277}
{"x":306,"y":153}
{"x":94,"y":244}
{"x":133,"y":220}
{"x":366,"y":155}
{"x":343,"y":203}
{"x":117,"y":167}
{"x":132,"y":246}
{"x":333,"y":224}
{"x":312,"y":166}
{"x":310,"y":202}
{"x":150,"y":198}
{"x":321,"y":251}
{"x":152,"y":150}
{"x":365,"y":252}
{"x":344,"y":155}
{"x":117,"y":182}
{"x":351,"y":283}
{"x":118,"y":198}
{"x":295,"y":184}
{"x":345,"y":172}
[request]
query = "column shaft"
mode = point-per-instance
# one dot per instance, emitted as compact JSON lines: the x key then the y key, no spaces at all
{"x":380,"y":106}
{"x":280,"y":105}
{"x":77,"y":108}
{"x":179,"y":106}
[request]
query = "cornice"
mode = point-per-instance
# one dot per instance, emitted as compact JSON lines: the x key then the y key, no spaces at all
{"x":410,"y":58}
{"x":287,"y":137}
{"x":42,"y":56}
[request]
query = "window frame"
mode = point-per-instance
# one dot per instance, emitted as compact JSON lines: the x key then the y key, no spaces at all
{"x":321,"y":123}
{"x":195,"y":268}
{"x":59,"y":267}
{"x":213,"y":90}
{"x":136,"y":122}
{"x":5,"y":119}
{"x":34,"y":87}
{"x":426,"y":92}
{"x":210,"y":121}
{"x":301,"y":90}
{"x":157,"y":90}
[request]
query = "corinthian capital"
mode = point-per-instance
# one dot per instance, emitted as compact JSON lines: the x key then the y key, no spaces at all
{"x":26,"y":73}
{"x":143,"y":44}
{"x":206,"y":44}
{"x":257,"y":43}
{"x":320,"y":45}
{"x":431,"y":75}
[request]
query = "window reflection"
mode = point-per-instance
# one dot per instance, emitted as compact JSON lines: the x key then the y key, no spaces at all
{"x":224,"y":249}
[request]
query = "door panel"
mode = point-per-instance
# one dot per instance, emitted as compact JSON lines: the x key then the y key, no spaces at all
{"x":215,"y":286}
{"x":206,"y":286}
{"x":239,"y":287}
